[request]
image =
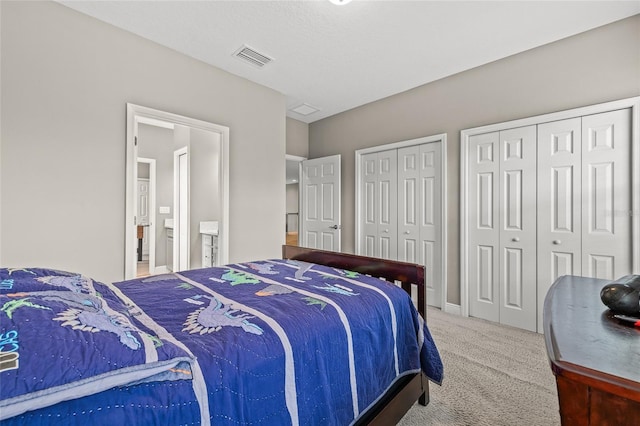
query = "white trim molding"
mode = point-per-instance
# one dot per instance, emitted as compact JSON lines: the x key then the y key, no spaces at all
{"x":631,"y":103}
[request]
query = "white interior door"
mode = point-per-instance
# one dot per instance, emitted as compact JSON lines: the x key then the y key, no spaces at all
{"x":419,"y":216}
{"x":584,"y":199}
{"x":518,"y":227}
{"x":559,"y":204}
{"x":606,"y":188}
{"x":410,"y":203}
{"x":387,"y":205}
{"x":369,"y":193}
{"x":320,"y":225}
{"x":502,"y":231}
{"x":484,"y":231}
{"x":585,"y":203}
{"x":401,"y":206}
{"x":379,"y":192}
{"x":430,"y":221}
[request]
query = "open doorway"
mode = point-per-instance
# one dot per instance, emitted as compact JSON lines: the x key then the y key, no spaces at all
{"x":293,"y":199}
{"x":145,"y":226}
{"x":187,"y":204}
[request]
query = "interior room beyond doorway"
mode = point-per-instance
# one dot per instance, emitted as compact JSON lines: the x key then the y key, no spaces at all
{"x":292,"y":199}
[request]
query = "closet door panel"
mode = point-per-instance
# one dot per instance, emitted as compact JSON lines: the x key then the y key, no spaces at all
{"x":606,"y":180}
{"x":369,"y":194}
{"x":408,"y":204}
{"x":559,"y":204}
{"x":484,"y":232}
{"x":517,"y":240}
{"x":388,"y":204}
{"x":430,"y":221}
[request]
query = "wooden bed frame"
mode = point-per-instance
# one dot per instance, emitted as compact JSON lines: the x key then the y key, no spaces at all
{"x":401,"y":397}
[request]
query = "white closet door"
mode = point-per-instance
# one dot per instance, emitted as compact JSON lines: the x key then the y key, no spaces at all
{"x":388,"y":204}
{"x":559,"y":204}
{"x":577,"y":199}
{"x":606,"y":180}
{"x":401,"y":209}
{"x":484,"y":234}
{"x":409,"y":203}
{"x":518,"y":227}
{"x":430,"y":201}
{"x":502,"y":229}
{"x":379,"y":233}
{"x":369,"y":200}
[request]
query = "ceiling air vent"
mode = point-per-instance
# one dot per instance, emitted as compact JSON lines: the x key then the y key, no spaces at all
{"x":304,"y":109}
{"x":252,"y":56}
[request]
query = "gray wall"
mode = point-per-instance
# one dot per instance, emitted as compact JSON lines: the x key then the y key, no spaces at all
{"x":297,"y":138}
{"x":597,"y":66}
{"x":298,"y":145}
{"x":65,"y":81}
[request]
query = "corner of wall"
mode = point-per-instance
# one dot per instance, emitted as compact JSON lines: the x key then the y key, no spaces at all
{"x":297,"y":138}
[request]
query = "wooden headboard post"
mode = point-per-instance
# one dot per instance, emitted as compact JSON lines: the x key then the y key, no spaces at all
{"x":407,"y":274}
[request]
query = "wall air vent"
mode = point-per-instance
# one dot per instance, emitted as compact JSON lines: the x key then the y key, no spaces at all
{"x":252,"y":56}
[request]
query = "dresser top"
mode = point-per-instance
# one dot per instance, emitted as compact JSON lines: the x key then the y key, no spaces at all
{"x":582,"y":336}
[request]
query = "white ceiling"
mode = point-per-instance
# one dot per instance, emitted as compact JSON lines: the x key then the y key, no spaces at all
{"x":335,"y":58}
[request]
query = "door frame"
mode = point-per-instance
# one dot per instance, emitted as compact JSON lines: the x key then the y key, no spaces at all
{"x":137,"y":114}
{"x":181,"y":241}
{"x":152,"y":210}
{"x":442,"y":138}
{"x":631,"y":103}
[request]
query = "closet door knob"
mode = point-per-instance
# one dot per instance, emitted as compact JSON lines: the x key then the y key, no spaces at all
{"x":515,"y":239}
{"x":557,"y":242}
{"x":407,"y":232}
{"x":386,"y":231}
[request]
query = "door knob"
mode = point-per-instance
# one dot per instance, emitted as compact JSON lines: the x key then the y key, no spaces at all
{"x":557,"y":242}
{"x":386,"y":231}
{"x":407,"y":232}
{"x":334,"y":227}
{"x":515,"y":239}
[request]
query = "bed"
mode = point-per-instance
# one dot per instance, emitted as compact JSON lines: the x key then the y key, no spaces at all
{"x":313,"y":338}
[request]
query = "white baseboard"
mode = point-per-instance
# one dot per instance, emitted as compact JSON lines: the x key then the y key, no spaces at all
{"x":451,"y":308}
{"x":162,"y":269}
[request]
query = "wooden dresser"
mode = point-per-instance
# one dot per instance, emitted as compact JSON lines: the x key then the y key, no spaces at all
{"x":595,"y":358}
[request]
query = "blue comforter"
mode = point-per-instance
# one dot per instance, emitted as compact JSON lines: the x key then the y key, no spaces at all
{"x":63,"y":335}
{"x":268,"y":342}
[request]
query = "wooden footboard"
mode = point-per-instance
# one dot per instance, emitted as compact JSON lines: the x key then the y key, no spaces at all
{"x":395,"y":404}
{"x":407,"y":274}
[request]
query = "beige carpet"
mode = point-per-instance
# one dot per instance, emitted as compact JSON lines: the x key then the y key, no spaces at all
{"x":494,"y":375}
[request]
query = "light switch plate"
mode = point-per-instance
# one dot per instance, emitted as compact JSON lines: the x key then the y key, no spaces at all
{"x":165,"y":210}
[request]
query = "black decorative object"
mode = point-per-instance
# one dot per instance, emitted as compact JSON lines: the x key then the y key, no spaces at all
{"x":623,"y":295}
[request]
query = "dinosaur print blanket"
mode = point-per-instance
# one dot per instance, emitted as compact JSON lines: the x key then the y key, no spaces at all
{"x":288,"y":342}
{"x":62,"y":335}
{"x":267,"y":342}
